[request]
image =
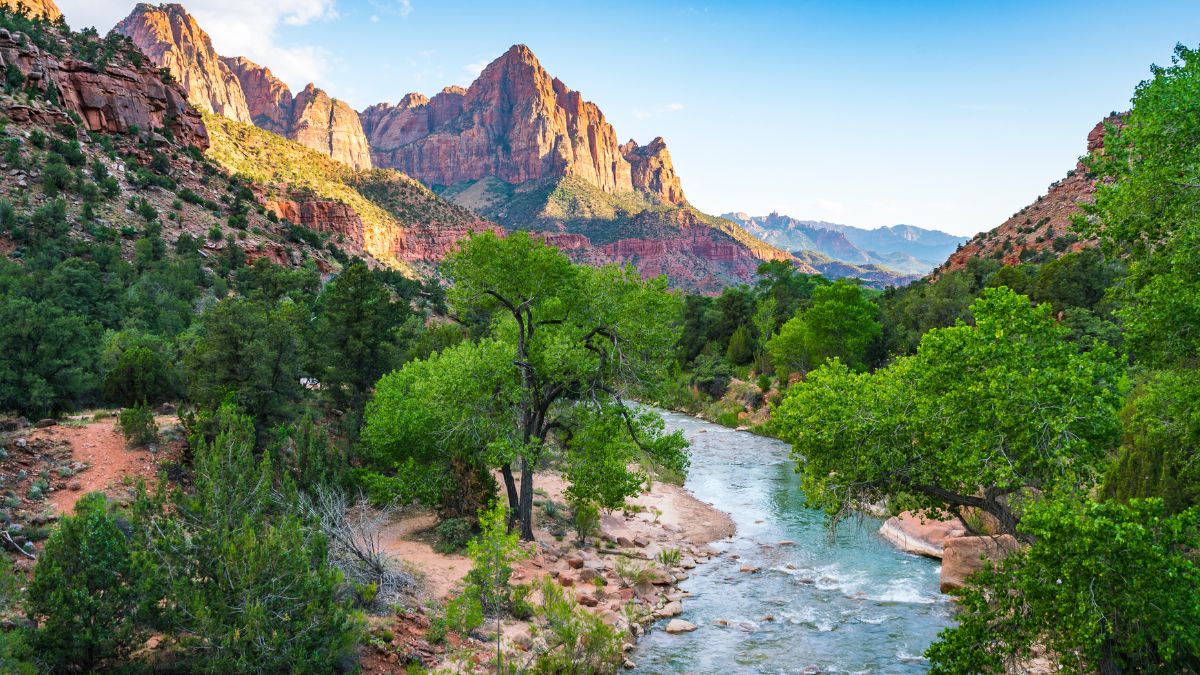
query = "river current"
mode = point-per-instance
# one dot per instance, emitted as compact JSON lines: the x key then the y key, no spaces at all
{"x":844,"y":601}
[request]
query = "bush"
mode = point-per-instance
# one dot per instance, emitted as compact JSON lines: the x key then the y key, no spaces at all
{"x":140,"y":374}
{"x":86,"y":592}
{"x":586,"y":520}
{"x":453,"y":535}
{"x":137,"y":424}
{"x":577,"y":641}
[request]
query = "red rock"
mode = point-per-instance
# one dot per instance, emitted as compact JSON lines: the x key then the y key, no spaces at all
{"x":922,"y":536}
{"x":586,"y":600}
{"x":36,"y":8}
{"x":113,"y":101}
{"x":268,"y":99}
{"x":963,"y":556}
{"x":515,"y":122}
{"x":173,"y":40}
{"x":574,"y":561}
{"x":1046,"y":219}
{"x":329,"y":126}
{"x":652,"y":171}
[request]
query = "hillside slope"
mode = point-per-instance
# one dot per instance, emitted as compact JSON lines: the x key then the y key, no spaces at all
{"x":1042,"y":228}
{"x":391,"y":216}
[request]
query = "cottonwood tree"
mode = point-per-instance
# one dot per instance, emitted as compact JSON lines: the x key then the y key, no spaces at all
{"x":981,"y":417}
{"x":564,"y":345}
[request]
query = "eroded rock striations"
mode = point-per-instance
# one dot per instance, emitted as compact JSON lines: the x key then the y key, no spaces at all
{"x":652,"y":171}
{"x":173,"y":40}
{"x":515,"y":122}
{"x":116,"y":100}
{"x":242,"y":90}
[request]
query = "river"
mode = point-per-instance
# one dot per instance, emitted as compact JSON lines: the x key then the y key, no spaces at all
{"x":841,"y":602}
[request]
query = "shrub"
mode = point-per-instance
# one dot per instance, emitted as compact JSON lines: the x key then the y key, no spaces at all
{"x":586,"y":520}
{"x":577,"y":641}
{"x":137,"y":424}
{"x":86,"y":592}
{"x":669,"y":556}
{"x":140,"y":374}
{"x":453,"y":535}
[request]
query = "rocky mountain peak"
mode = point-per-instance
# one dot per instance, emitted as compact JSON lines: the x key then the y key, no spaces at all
{"x":329,"y":126}
{"x":173,"y":40}
{"x":43,"y":8}
{"x":651,"y":170}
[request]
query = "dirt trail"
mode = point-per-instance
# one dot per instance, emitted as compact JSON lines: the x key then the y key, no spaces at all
{"x":111,"y":467}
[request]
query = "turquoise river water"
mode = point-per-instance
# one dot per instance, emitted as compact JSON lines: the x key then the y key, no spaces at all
{"x":842,"y":602}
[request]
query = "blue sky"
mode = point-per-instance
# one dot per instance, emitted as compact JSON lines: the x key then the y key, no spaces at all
{"x":950,"y":115}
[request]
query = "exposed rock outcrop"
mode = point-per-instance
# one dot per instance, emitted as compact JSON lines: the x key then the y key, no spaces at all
{"x":963,"y":556}
{"x":269,"y":100}
{"x":651,"y":170}
{"x":921,"y":536}
{"x":515,"y":122}
{"x":330,"y":127}
{"x":242,"y":90}
{"x":1044,"y":224}
{"x":45,"y":9}
{"x":173,"y":40}
{"x":115,"y":100}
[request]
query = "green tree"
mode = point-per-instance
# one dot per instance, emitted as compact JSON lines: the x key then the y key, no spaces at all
{"x":493,"y":554}
{"x":1107,"y":588}
{"x":764,"y":328}
{"x":247,"y":353}
{"x":841,"y":323}
{"x":355,"y":339}
{"x":87,"y":592}
{"x":739,"y":350}
{"x":1160,"y":456}
{"x":982,"y":416}
{"x":50,"y":357}
{"x":565,"y":339}
{"x":248,"y":586}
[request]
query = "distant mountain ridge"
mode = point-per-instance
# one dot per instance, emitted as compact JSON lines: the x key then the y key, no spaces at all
{"x":904,"y":248}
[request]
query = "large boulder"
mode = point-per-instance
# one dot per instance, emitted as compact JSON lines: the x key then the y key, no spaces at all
{"x":963,"y":556}
{"x":921,"y":535}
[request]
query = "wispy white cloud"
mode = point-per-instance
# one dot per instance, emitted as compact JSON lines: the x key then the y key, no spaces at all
{"x":665,"y":109}
{"x":374,"y":18}
{"x":472,"y":71}
{"x":248,"y":28}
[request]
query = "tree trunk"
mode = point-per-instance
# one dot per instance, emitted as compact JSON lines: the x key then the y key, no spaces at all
{"x":526,"y":503}
{"x":510,"y":487}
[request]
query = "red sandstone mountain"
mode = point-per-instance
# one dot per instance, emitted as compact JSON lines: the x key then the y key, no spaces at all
{"x":1044,"y":224}
{"x":243,"y":91}
{"x":173,"y":40}
{"x":115,"y":100}
{"x":36,"y":8}
{"x":515,"y":122}
{"x":652,"y":171}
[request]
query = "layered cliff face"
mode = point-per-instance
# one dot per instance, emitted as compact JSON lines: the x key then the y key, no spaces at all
{"x":515,"y":123}
{"x":45,"y":9}
{"x":330,"y":127}
{"x":651,"y":170}
{"x":1044,"y":225}
{"x":243,"y":91}
{"x":116,"y":99}
{"x":269,"y":100}
{"x":173,"y":40}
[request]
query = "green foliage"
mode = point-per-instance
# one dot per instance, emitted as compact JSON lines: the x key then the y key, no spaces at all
{"x":453,"y":534}
{"x":250,"y":584}
{"x":49,"y":357}
{"x":1160,"y":456}
{"x":739,"y":351}
{"x":356,"y":328}
{"x":585,"y":517}
{"x":87,"y":591}
{"x":138,"y":425}
{"x":1106,"y":588}
{"x":841,"y":323}
{"x":578,"y":642}
{"x":247,"y":353}
{"x":140,"y":373}
{"x":981,"y":416}
{"x":437,"y":413}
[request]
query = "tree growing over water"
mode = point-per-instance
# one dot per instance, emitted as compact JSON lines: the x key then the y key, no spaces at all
{"x":564,"y":345}
{"x":982,"y":416}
